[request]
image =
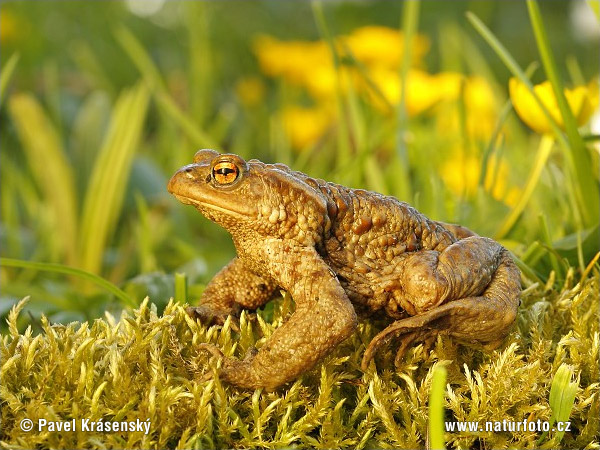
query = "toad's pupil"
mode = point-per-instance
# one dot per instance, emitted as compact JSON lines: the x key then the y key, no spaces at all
{"x":225,"y":174}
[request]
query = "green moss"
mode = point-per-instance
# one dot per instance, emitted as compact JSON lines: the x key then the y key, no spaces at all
{"x":148,"y":367}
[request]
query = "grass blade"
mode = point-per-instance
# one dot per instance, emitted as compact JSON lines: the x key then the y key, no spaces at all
{"x":410,"y":20}
{"x":586,"y":187}
{"x":51,"y":169}
{"x":60,"y":268}
{"x":180,"y":288}
{"x":151,"y":74}
{"x":554,"y":258}
{"x":91,"y":67}
{"x":6,"y":74}
{"x":106,"y":190}
{"x":536,"y":171}
{"x":502,"y":117}
{"x":562,"y":397}
{"x":201,"y":67}
{"x":595,"y":7}
{"x":515,"y":69}
{"x":344,"y":150}
{"x":436,"y":408}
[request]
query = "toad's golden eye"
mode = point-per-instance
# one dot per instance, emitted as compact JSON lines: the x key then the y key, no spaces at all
{"x":225,"y":172}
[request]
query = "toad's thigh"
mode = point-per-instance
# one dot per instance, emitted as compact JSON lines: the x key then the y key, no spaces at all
{"x":429,"y":278}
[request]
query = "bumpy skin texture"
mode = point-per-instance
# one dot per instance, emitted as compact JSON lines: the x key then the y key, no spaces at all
{"x":338,"y":252}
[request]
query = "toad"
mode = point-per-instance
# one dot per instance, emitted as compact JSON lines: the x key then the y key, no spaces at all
{"x":339,"y":252}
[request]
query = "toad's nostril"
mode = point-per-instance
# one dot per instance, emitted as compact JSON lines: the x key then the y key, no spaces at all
{"x":189,"y":173}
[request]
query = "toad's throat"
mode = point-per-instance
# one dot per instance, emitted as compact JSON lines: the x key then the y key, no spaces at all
{"x":201,"y":204}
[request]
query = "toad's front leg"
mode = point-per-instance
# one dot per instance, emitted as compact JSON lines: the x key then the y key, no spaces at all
{"x":323,"y":318}
{"x":233,"y":288}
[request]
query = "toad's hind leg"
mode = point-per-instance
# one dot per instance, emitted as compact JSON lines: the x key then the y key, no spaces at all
{"x":484,"y":318}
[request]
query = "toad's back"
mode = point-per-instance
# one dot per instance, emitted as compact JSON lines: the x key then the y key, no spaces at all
{"x":368,"y":241}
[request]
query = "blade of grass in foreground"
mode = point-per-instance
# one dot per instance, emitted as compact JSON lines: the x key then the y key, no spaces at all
{"x":410,"y":21}
{"x":562,"y":397}
{"x":60,"y":268}
{"x":108,"y":181}
{"x":532,"y":180}
{"x":180,"y":287}
{"x":515,"y":69}
{"x":50,"y":168}
{"x":554,"y":258}
{"x":586,"y":187}
{"x":436,"y":408}
{"x":502,"y":117}
{"x":6,"y":74}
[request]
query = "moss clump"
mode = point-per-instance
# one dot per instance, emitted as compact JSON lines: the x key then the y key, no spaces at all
{"x":148,"y":367}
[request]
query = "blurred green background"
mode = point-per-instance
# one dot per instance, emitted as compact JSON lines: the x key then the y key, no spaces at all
{"x":102,"y":101}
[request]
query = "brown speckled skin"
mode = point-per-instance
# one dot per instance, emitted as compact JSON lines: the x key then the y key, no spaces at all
{"x":339,"y":251}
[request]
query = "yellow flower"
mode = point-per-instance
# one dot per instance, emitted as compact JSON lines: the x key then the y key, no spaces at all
{"x":250,"y":90}
{"x":582,"y":100}
{"x":309,"y":64}
{"x":480,"y":105}
{"x":322,"y":82}
{"x":448,"y":85}
{"x":420,"y":89}
{"x":382,"y":46}
{"x":305,"y":126}
{"x":479,"y":96}
{"x":461,"y":176}
{"x":9,"y":25}
{"x":295,"y":61}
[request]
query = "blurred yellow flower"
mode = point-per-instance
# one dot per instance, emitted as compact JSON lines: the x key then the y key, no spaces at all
{"x":250,"y":90}
{"x":321,"y":82}
{"x":8,"y":25}
{"x":305,"y":126}
{"x":583,"y":101}
{"x":293,"y":60}
{"x":420,"y":89}
{"x":479,"y":96}
{"x":461,"y":176}
{"x":480,"y":106}
{"x":309,"y":64}
{"x":382,"y":46}
{"x":448,"y":84}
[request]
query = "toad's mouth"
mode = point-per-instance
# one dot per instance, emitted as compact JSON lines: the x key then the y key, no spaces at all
{"x":199,"y":205}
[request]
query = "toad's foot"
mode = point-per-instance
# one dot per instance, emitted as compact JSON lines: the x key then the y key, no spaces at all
{"x":408,"y":331}
{"x":210,"y":316}
{"x":463,"y":319}
{"x":229,"y":365}
{"x":234,"y":288}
